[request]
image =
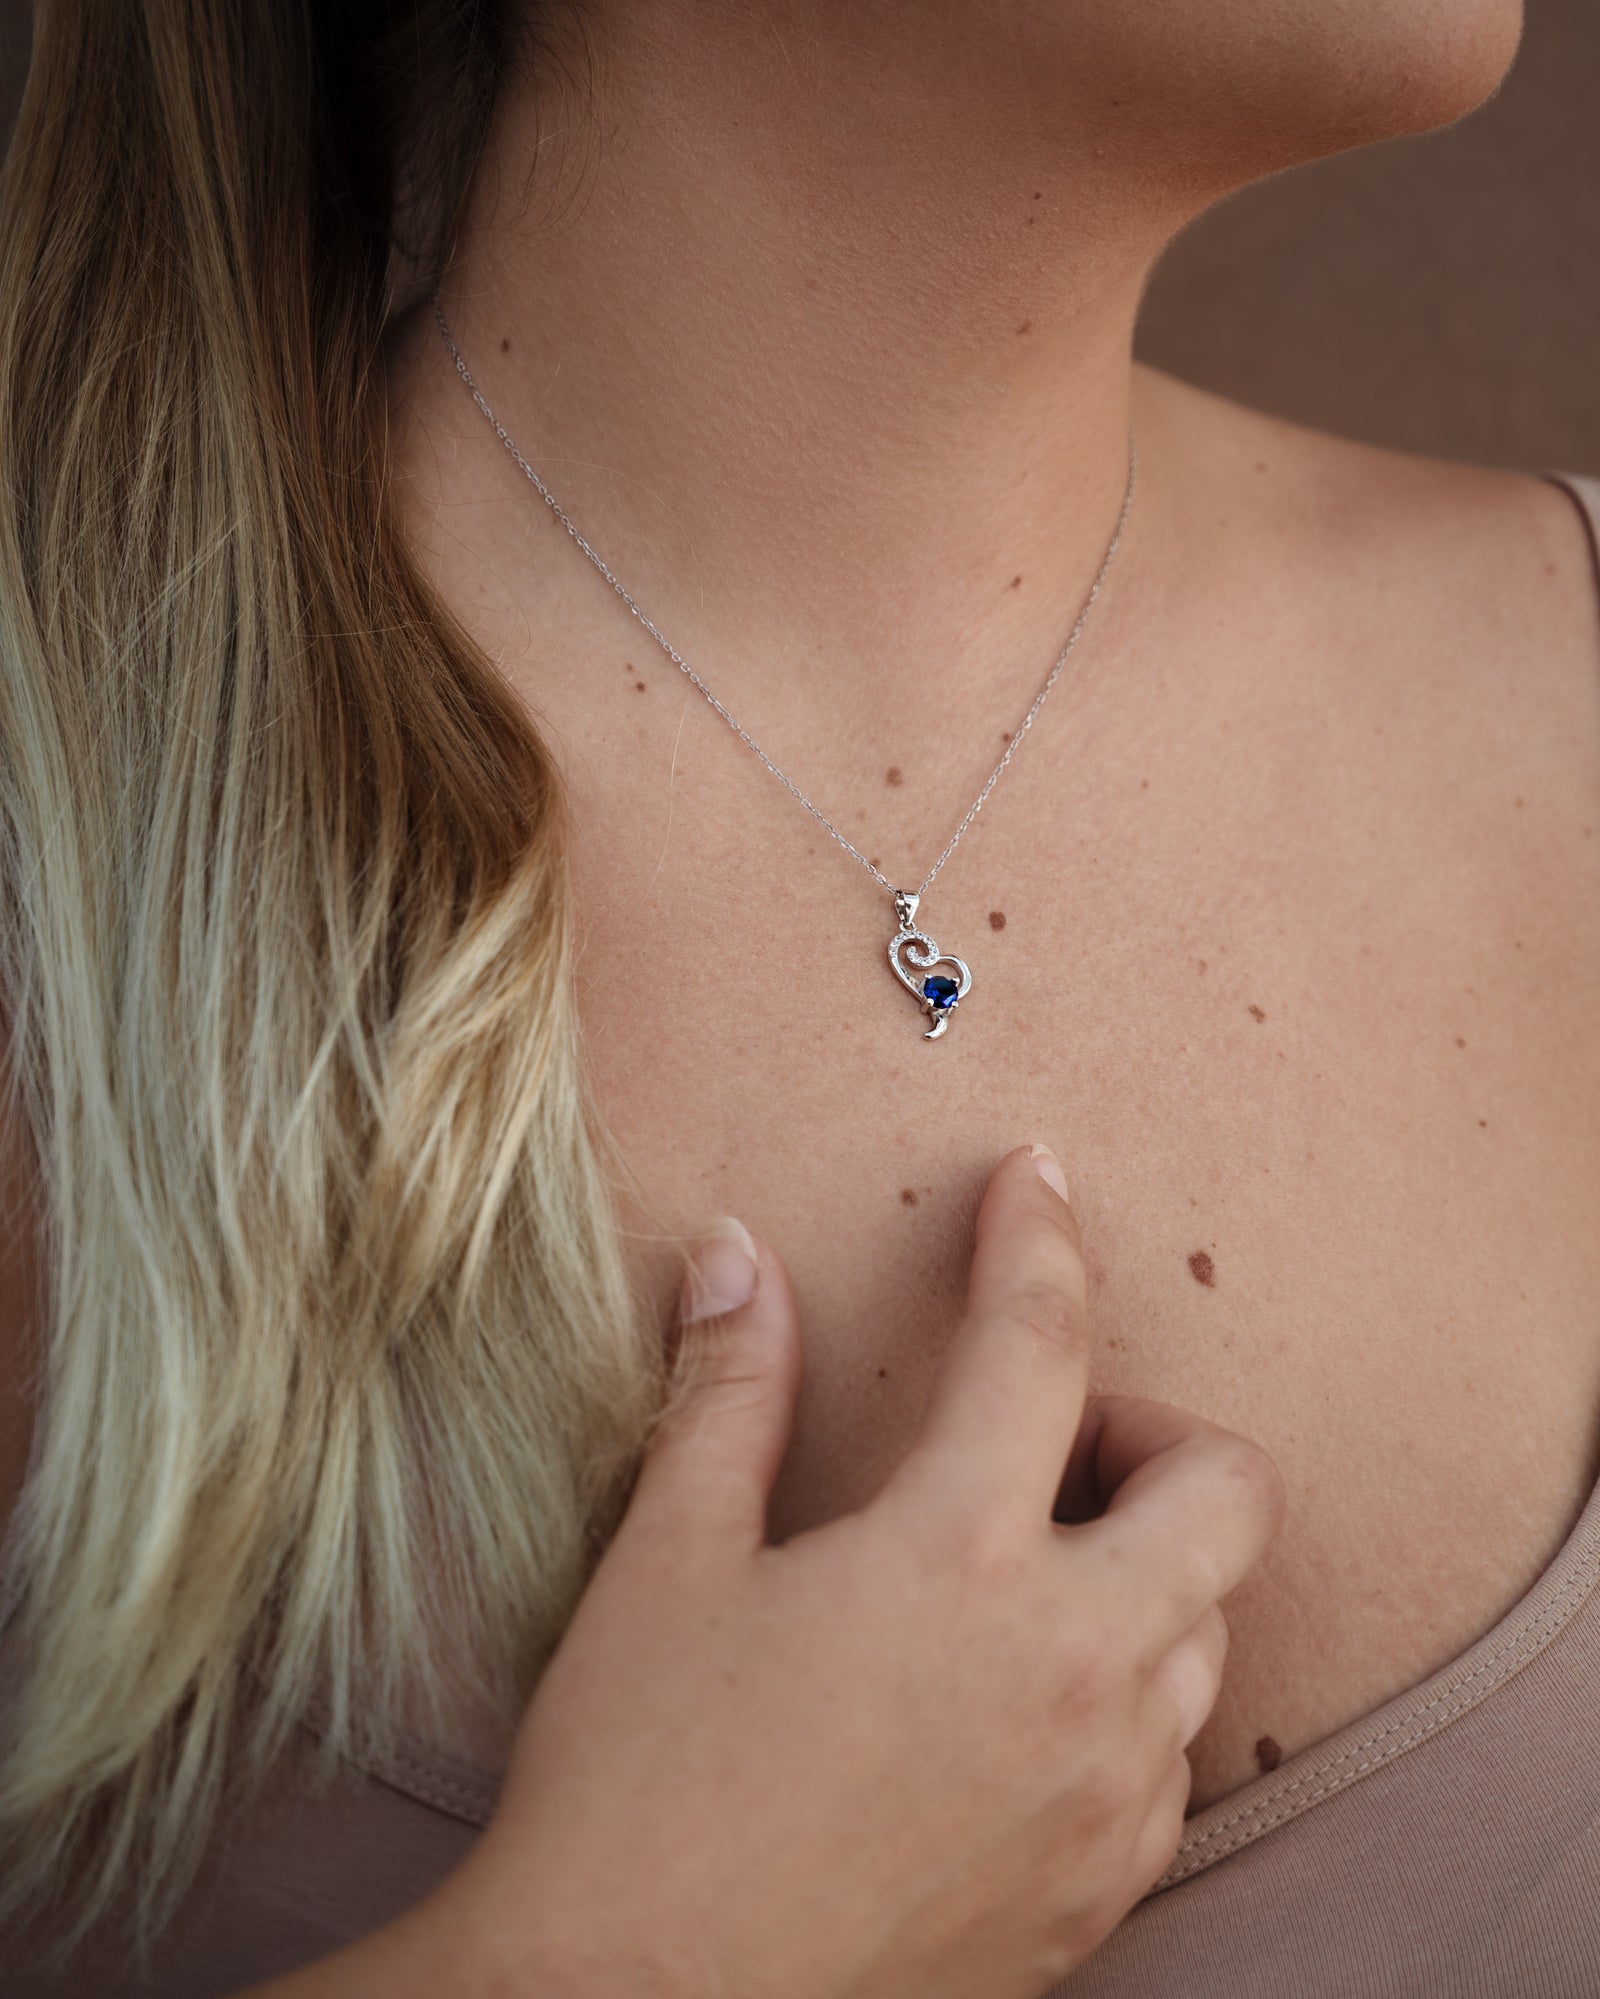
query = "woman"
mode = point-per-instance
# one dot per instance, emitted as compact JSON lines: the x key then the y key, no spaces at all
{"x":1280,"y":923}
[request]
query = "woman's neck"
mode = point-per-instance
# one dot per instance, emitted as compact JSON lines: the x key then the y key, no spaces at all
{"x":815,"y":363}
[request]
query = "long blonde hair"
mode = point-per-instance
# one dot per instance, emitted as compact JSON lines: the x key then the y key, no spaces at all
{"x":340,"y":1378}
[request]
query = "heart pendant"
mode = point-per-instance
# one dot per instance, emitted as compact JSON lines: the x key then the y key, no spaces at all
{"x":912,"y":958}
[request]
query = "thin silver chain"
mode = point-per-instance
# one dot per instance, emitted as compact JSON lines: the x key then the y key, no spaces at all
{"x":738,"y":729}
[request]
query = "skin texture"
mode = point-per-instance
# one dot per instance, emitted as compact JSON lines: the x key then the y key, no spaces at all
{"x":777,"y":1694}
{"x":819,"y":319}
{"x":821,"y":331}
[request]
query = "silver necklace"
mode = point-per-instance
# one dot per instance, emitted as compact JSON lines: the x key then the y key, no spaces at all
{"x":914,"y":957}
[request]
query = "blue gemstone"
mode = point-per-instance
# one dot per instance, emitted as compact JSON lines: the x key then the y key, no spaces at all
{"x":940,"y":991}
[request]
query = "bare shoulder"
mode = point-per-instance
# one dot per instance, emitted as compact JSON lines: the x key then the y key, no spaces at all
{"x":1451,"y":610}
{"x":1504,"y":555}
{"x":1426,"y":636}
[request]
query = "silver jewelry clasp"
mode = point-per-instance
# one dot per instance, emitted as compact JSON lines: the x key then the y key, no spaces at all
{"x":905,"y":908}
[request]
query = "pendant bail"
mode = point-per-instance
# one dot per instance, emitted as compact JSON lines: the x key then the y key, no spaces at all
{"x":905,"y":908}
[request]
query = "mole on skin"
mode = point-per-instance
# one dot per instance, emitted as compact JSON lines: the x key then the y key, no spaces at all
{"x":1202,"y":1268}
{"x":909,"y":1196}
{"x":1258,"y":1013}
{"x":894,"y":776}
{"x":997,"y":919}
{"x":1268,"y":1754}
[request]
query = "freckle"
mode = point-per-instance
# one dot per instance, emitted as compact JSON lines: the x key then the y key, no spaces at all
{"x":872,"y":863}
{"x":927,"y":1190}
{"x":1518,"y":801}
{"x":1026,"y":326}
{"x":1268,"y":1754}
{"x":883,"y":1374}
{"x":1257,"y":1013}
{"x":1483,"y":1124}
{"x":1203,"y":1270}
{"x":1194,"y":1200}
{"x":1144,"y":784}
{"x":1516,"y":943}
{"x":1039,"y":194}
{"x":1261,"y":465}
{"x":909,"y":1196}
{"x":638,"y":687}
{"x":1005,"y":735}
{"x":894,"y":776}
{"x":997,"y":919}
{"x":811,"y":284}
{"x":1227,"y":1343}
{"x":1202,"y":964}
{"x":1032,"y":219}
{"x":1460,"y":1043}
{"x":1550,"y":569}
{"x":1015,"y":583}
{"x":505,"y":347}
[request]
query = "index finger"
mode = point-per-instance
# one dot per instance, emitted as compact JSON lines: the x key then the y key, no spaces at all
{"x":1191,"y":1507}
{"x":1009,"y":1393}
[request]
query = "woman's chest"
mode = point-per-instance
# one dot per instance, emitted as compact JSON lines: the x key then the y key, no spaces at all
{"x":1321,"y":1056}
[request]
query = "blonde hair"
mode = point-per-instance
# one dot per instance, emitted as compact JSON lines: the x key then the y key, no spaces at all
{"x":341,"y":1380}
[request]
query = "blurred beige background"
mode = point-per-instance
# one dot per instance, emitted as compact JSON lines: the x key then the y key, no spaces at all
{"x":1442,"y":293}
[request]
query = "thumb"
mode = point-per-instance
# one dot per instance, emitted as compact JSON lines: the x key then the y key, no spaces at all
{"x":726,"y":1425}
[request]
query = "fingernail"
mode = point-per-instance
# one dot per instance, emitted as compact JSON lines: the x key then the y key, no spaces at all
{"x":722,"y":1272}
{"x":1048,"y":1168}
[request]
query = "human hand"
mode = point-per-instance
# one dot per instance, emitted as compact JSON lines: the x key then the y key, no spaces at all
{"x":935,"y":1746}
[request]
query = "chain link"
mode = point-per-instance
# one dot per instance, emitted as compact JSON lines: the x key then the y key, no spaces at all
{"x":737,"y":727}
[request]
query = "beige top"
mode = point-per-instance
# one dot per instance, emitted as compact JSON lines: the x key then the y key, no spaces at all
{"x":1447,"y":1844}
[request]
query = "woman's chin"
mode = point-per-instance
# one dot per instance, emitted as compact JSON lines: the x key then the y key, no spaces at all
{"x":1421,"y":65}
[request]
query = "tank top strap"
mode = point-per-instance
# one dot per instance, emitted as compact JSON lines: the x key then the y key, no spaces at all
{"x":1585,"y":489}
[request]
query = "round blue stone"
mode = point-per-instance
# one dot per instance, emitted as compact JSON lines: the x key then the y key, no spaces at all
{"x":940,"y":991}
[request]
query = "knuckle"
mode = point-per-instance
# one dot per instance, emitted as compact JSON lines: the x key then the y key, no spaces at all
{"x":1213,"y":1628}
{"x":719,"y":1389}
{"x":1190,"y":1676}
{"x":993,"y":1556}
{"x":1047,"y":1318}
